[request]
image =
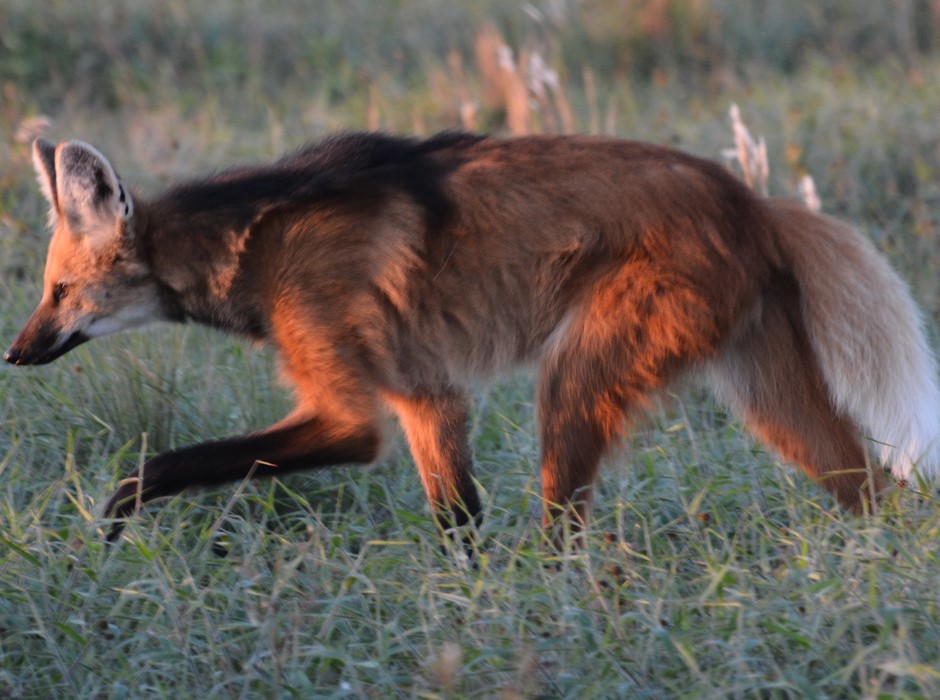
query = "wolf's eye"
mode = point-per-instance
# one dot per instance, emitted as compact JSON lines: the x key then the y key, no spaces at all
{"x":59,"y":292}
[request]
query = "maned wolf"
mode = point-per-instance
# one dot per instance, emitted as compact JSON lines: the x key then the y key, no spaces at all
{"x":391,"y":274}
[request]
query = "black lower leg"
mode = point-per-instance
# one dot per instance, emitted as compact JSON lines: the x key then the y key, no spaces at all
{"x":302,"y":444}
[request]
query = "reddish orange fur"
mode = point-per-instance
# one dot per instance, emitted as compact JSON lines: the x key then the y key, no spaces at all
{"x":395,"y":273}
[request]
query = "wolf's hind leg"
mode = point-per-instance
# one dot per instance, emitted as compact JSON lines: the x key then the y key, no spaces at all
{"x":770,"y":376}
{"x":636,"y":331}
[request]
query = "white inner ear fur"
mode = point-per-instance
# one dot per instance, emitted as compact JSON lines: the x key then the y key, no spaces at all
{"x":44,"y":165}
{"x":90,"y":195}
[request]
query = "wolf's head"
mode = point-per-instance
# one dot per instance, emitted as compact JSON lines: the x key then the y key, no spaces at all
{"x":94,"y":282}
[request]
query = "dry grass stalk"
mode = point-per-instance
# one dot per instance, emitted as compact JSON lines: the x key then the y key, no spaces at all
{"x":515,"y":93}
{"x":547,"y":95}
{"x":565,"y":113}
{"x":468,"y":116}
{"x":807,"y":188}
{"x":525,"y":87}
{"x":486,"y":50}
{"x":540,"y":77}
{"x":467,"y":105}
{"x":751,"y":155}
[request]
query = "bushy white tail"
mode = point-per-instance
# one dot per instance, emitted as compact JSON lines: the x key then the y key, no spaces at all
{"x":866,"y":333}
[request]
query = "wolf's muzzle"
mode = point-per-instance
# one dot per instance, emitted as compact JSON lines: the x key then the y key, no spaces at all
{"x":40,"y":354}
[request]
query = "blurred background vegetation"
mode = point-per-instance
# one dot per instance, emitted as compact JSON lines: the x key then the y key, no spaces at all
{"x":111,"y":53}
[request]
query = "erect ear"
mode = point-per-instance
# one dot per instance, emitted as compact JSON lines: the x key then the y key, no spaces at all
{"x":90,"y":195}
{"x":44,"y":163}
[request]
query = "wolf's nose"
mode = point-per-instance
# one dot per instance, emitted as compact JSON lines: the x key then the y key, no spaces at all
{"x":12,"y":356}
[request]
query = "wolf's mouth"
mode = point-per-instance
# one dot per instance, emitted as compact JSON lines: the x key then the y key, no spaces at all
{"x":23,"y":356}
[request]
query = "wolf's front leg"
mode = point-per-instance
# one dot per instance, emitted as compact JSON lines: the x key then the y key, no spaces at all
{"x":296,"y":443}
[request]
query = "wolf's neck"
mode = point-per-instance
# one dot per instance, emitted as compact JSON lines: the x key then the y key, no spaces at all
{"x":207,"y":268}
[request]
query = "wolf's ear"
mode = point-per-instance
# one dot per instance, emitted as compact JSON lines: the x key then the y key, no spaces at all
{"x":90,"y":195}
{"x":44,"y":163}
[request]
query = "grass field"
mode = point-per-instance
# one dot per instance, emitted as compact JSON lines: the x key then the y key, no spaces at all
{"x":711,"y":570}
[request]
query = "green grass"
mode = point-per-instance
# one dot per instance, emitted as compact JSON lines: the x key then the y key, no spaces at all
{"x":710,"y":570}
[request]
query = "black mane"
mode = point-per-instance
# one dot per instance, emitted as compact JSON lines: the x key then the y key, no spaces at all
{"x":378,"y":162}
